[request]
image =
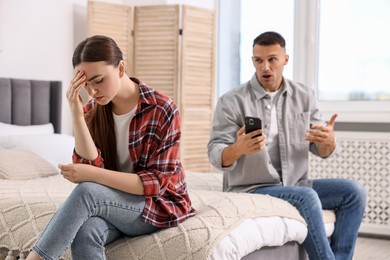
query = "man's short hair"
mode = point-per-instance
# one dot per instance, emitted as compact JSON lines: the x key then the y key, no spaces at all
{"x":269,"y":38}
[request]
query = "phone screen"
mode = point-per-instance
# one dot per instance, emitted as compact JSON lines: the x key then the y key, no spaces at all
{"x":252,"y":124}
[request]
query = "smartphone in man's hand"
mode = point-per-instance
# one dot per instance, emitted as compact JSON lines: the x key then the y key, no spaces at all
{"x":252,"y":124}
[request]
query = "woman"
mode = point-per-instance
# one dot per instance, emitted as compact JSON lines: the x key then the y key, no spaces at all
{"x":125,"y":161}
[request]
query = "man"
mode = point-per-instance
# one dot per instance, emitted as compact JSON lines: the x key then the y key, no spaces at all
{"x":276,"y":163}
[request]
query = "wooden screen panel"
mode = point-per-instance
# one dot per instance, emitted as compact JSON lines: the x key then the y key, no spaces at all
{"x":197,"y":86}
{"x":156,"y":33}
{"x":114,"y":21}
{"x":195,"y":127}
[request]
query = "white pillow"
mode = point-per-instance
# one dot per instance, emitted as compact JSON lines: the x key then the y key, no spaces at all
{"x":18,"y":164}
{"x":7,"y":129}
{"x":54,"y":148}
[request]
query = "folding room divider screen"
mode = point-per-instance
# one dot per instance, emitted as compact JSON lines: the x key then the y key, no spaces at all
{"x":171,"y":48}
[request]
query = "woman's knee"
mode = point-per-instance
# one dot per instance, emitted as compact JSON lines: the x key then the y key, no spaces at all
{"x":84,"y":189}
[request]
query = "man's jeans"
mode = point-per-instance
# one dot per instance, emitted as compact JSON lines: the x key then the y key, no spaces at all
{"x":92,"y":216}
{"x":346,"y":197}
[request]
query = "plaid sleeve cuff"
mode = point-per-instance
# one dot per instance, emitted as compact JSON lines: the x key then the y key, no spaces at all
{"x":98,"y":162}
{"x":151,"y":184}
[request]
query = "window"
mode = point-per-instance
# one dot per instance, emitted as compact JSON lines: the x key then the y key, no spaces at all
{"x":337,"y":47}
{"x":354,"y":53}
{"x":258,"y":16}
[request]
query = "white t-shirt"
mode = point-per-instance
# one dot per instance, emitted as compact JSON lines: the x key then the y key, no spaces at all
{"x":122,"y":123}
{"x":273,"y":138}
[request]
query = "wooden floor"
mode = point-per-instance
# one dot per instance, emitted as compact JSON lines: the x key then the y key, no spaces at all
{"x":372,"y":249}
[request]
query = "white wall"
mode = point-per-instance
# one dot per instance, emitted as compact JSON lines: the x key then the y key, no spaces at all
{"x":38,"y":39}
{"x":1,"y":25}
{"x":228,"y":70}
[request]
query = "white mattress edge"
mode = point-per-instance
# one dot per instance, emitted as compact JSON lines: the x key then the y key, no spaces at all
{"x":253,"y":234}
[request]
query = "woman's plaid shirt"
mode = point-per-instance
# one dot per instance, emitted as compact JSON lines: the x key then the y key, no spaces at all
{"x":154,"y":139}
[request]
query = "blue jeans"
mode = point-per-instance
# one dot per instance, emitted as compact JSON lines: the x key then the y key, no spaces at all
{"x":346,"y":197}
{"x":91,"y":217}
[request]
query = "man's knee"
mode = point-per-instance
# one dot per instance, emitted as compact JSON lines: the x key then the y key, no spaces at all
{"x":357,"y":190}
{"x":310,"y":196}
{"x":304,"y":197}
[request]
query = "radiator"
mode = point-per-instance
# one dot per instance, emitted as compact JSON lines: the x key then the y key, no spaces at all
{"x":365,"y":157}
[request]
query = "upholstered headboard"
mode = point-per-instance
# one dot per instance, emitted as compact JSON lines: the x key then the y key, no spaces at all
{"x":30,"y":102}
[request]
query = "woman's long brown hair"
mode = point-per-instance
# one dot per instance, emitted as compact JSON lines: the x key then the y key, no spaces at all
{"x":100,"y":121}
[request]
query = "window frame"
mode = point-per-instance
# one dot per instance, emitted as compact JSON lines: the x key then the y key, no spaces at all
{"x":306,"y":37}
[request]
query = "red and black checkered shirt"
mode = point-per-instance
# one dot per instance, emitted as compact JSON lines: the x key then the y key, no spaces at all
{"x":154,"y":138}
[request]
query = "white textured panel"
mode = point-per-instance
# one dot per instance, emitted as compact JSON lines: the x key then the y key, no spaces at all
{"x":364,"y":157}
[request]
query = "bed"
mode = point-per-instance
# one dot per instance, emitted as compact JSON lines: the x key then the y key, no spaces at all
{"x":227,"y":226}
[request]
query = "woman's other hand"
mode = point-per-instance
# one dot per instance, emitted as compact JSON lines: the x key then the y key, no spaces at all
{"x":77,"y":172}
